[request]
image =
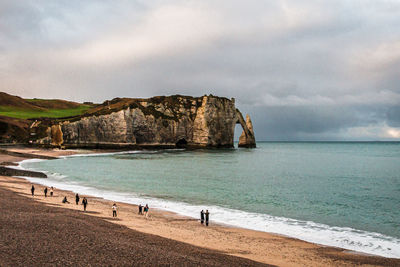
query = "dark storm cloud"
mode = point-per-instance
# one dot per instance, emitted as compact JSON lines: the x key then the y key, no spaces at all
{"x":328,"y":123}
{"x":295,"y":123}
{"x":303,"y":69}
{"x":393,"y":116}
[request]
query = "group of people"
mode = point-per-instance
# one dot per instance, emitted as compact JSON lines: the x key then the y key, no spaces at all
{"x":84,"y":201}
{"x":65,"y":200}
{"x":143,"y":210}
{"x":77,"y":198}
{"x":45,"y":191}
{"x":206,"y":215}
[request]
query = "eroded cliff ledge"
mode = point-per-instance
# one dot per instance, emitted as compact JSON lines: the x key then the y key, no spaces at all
{"x":165,"y":121}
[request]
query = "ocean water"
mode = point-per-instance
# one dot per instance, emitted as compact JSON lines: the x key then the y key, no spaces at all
{"x":340,"y":194}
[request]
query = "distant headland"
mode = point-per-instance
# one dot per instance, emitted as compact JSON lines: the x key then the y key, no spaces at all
{"x":159,"y":122}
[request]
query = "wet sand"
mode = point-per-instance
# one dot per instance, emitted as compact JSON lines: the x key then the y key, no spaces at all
{"x":220,"y":241}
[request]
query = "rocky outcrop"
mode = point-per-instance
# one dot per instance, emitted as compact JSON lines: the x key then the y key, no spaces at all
{"x":174,"y":121}
{"x":214,"y":123}
{"x":247,"y":138}
{"x":56,"y":135}
{"x":17,"y":172}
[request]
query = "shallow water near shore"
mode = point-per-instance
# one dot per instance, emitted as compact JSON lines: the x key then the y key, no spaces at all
{"x":339,"y":194}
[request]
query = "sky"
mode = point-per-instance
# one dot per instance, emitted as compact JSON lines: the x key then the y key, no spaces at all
{"x":304,"y":70}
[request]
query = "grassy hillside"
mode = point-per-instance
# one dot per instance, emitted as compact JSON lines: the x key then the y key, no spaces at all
{"x":48,"y":113}
{"x":53,"y":103}
{"x":16,"y":102}
{"x":16,"y":107}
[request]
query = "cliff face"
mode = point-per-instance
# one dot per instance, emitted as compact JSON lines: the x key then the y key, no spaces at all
{"x":175,"y":121}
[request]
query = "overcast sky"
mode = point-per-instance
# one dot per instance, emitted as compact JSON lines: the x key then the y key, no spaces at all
{"x":302,"y":69}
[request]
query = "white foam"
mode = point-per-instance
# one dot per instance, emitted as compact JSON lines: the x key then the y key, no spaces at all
{"x":343,"y":237}
{"x":101,"y":154}
{"x":18,"y":167}
{"x":120,"y":153}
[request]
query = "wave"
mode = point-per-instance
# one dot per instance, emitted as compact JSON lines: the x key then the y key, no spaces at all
{"x":102,"y":154}
{"x":342,"y":237}
{"x":122,"y":153}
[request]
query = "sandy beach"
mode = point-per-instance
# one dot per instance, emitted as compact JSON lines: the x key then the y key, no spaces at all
{"x":168,"y":238}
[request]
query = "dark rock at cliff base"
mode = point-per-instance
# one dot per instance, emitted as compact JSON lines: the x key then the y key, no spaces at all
{"x":7,"y":163}
{"x":15,"y":172}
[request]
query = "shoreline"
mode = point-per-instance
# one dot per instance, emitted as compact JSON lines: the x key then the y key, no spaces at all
{"x":251,"y":244}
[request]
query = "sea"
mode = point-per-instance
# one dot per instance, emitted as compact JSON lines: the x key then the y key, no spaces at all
{"x":342,"y":194}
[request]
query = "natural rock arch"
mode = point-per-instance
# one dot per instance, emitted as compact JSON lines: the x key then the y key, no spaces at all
{"x":247,"y":138}
{"x":165,"y":121}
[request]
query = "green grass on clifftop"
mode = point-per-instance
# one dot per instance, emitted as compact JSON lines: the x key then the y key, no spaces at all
{"x":48,"y":113}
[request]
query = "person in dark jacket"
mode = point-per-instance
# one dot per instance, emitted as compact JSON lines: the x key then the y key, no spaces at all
{"x":84,"y":203}
{"x":77,"y":199}
{"x":202,"y":216}
{"x":140,"y":209}
{"x":207,"y":217}
{"x":45,"y":192}
{"x":33,"y":190}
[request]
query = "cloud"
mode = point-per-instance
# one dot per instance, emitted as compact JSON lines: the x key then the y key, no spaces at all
{"x":165,"y":30}
{"x":303,"y":69}
{"x":373,"y":132}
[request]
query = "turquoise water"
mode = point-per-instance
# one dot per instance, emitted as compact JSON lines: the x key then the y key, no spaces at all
{"x":341,"y":194}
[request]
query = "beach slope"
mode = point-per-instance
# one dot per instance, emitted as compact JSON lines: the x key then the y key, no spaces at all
{"x":35,"y":234}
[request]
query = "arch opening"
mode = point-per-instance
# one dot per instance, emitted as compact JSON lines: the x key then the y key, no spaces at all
{"x":237,"y":133}
{"x":182,"y":143}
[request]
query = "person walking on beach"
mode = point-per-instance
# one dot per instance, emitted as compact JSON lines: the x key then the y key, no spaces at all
{"x":114,"y":209}
{"x":45,"y":192}
{"x":51,"y":191}
{"x":77,"y":199}
{"x":202,"y":216}
{"x":146,"y":211}
{"x":33,"y":190}
{"x":140,"y":209}
{"x":207,"y":217}
{"x":84,"y":203}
